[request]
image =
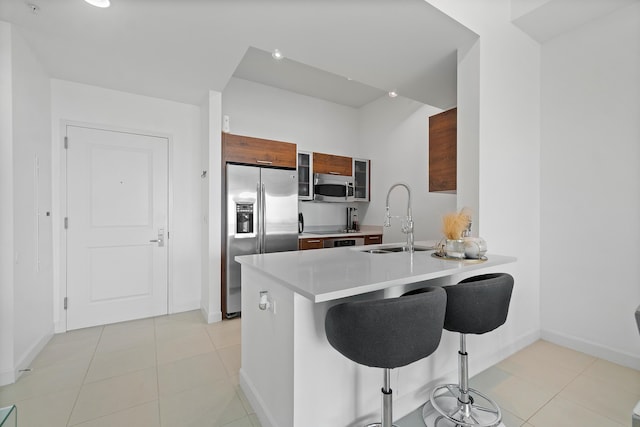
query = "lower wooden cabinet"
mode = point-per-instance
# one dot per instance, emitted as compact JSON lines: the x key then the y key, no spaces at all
{"x":318,"y":242}
{"x":313,"y":243}
{"x":374,"y":239}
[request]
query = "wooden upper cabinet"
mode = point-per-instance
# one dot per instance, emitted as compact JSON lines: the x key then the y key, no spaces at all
{"x":443,"y":151}
{"x":331,"y":164}
{"x":257,"y":151}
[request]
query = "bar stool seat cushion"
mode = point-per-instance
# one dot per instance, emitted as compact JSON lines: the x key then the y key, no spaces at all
{"x":388,"y":333}
{"x":478,"y":304}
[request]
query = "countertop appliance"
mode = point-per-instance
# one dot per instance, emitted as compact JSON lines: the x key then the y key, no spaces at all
{"x":339,"y":242}
{"x":332,"y":188}
{"x":352,"y":219}
{"x":261,"y":207}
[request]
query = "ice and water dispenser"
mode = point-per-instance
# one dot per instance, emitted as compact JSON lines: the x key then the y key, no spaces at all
{"x":244,"y":218}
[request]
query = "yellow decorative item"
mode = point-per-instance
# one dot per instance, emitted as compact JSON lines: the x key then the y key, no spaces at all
{"x":455,"y":223}
{"x":454,"y":226}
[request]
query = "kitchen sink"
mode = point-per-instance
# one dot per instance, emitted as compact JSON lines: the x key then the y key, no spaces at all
{"x":392,"y":249}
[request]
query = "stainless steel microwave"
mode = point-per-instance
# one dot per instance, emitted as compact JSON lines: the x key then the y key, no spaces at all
{"x":332,"y":188}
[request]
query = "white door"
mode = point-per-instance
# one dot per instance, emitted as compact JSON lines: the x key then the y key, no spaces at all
{"x":117,"y":197}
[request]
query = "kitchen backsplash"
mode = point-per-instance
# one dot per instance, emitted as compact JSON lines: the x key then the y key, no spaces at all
{"x":328,"y":215}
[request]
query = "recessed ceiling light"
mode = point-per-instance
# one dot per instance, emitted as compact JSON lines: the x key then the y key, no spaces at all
{"x":34,"y":8}
{"x":277,"y":55}
{"x":393,"y":94}
{"x":99,"y":3}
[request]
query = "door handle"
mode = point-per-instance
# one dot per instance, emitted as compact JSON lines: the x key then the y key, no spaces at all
{"x":160,"y":239}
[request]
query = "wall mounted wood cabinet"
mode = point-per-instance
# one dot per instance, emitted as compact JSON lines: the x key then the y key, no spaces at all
{"x":443,"y":151}
{"x":257,"y":151}
{"x":332,"y":164}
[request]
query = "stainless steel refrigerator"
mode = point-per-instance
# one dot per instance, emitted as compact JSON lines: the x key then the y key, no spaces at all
{"x":262,"y":217}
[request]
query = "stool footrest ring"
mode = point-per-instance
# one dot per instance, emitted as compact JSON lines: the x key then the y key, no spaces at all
{"x":481,"y":411}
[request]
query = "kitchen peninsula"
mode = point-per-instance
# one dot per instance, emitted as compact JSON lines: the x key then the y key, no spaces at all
{"x":290,"y":373}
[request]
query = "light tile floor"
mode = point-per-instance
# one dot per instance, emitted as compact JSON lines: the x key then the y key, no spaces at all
{"x":178,"y":371}
{"x":546,"y":385}
{"x":166,"y":371}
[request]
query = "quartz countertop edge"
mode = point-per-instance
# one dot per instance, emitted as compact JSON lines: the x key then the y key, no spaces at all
{"x":329,"y":274}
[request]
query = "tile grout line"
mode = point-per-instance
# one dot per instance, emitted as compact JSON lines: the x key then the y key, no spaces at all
{"x":557,"y":395}
{"x":95,"y":350}
{"x":155,"y":351}
{"x":583,"y":373}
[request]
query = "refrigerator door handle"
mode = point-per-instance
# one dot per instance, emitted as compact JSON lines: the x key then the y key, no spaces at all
{"x":263,"y":213}
{"x":258,"y":222}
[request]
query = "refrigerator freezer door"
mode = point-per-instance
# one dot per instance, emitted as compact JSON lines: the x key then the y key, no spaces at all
{"x":280,"y":210}
{"x":242,"y":235}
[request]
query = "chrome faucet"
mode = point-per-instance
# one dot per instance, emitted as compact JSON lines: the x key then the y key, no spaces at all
{"x":407,"y":224}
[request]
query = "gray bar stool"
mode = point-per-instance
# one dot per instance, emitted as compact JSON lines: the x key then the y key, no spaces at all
{"x":388,"y":333}
{"x":476,"y":305}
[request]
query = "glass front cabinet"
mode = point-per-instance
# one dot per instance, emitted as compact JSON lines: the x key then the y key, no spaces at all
{"x":305,"y":175}
{"x":361,"y":179}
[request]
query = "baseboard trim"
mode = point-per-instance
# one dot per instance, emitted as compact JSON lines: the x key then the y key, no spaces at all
{"x":594,"y":349}
{"x":211,"y":317}
{"x":7,"y":377}
{"x":265,"y":417}
{"x":185,"y":306}
{"x":26,"y":360}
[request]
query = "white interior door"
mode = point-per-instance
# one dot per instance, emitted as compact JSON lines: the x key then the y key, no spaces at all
{"x":117,"y":202}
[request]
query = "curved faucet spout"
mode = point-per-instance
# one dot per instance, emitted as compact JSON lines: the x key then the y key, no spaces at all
{"x":407,"y":226}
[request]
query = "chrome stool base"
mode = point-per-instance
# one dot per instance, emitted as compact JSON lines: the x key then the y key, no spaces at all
{"x":481,"y":411}
{"x":378,"y":425}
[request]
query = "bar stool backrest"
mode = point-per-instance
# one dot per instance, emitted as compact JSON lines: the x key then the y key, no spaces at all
{"x":478,"y":304}
{"x":388,"y":333}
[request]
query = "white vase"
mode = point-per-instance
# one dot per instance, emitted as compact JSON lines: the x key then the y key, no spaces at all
{"x":474,"y":247}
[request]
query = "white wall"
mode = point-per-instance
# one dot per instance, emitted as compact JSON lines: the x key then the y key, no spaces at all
{"x":508,"y":173}
{"x":210,"y":303}
{"x":394,"y":134}
{"x":32,"y":295}
{"x":271,"y":113}
{"x":25,"y":191}
{"x":7,"y":374}
{"x":590,"y":284}
{"x":181,"y":122}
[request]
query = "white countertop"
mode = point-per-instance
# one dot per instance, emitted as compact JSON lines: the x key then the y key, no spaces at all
{"x":328,"y":274}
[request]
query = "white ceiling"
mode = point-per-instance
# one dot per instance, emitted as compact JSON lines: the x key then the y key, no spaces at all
{"x":545,"y":19}
{"x":259,"y":66}
{"x":181,"y":49}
